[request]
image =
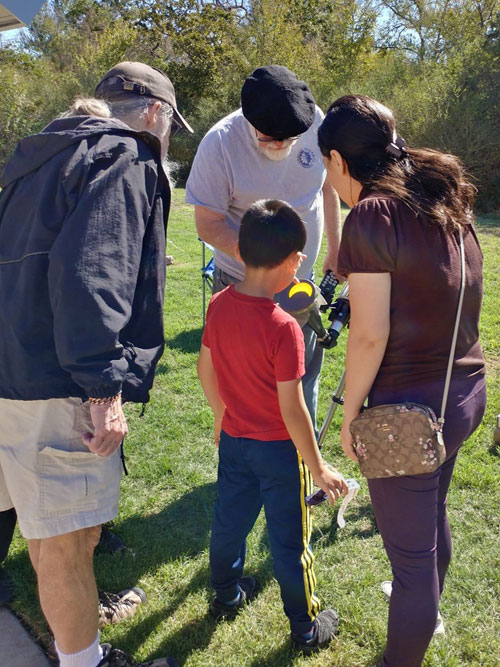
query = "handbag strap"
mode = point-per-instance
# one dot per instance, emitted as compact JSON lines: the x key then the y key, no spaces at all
{"x":455,"y":332}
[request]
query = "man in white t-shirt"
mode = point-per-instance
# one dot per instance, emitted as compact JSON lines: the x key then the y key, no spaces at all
{"x":267,"y":149}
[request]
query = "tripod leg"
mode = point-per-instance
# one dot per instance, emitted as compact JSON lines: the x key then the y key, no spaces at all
{"x":336,"y":401}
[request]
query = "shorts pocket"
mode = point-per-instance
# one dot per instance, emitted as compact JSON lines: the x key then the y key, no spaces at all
{"x":76,"y":481}
{"x":223,"y":279}
{"x":83,"y":420}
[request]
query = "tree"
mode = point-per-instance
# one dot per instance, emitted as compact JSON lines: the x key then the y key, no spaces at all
{"x":435,"y":62}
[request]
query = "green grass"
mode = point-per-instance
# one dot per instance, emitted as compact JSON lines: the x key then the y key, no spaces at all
{"x":167,"y":501}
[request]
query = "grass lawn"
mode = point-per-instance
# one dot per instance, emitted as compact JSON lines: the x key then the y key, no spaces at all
{"x":167,"y":502}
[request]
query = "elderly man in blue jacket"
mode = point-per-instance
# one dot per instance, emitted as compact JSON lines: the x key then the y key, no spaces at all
{"x":83,"y":215}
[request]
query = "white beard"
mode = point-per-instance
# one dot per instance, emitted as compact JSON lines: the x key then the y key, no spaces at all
{"x":170,"y":167}
{"x":276,"y":155}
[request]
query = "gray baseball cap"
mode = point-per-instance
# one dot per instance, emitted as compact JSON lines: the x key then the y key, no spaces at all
{"x":139,"y":79}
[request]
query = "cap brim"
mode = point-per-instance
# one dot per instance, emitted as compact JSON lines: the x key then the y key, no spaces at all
{"x":182,"y":122}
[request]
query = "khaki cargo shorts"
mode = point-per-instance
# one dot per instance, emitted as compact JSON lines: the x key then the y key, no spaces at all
{"x":46,"y":472}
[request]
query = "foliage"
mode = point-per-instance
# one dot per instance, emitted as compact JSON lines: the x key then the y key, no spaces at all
{"x":194,"y":40}
{"x":435,"y":62}
{"x":62,"y":55}
{"x":32,"y":94}
{"x":438,"y":66}
{"x":342,"y":36}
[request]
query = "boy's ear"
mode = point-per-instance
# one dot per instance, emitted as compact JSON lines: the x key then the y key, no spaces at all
{"x":237,"y":252}
{"x":293,"y":260}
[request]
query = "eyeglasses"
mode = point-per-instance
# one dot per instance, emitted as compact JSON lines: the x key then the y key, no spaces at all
{"x":168,"y":112}
{"x":270,"y":140}
{"x":175,"y":128}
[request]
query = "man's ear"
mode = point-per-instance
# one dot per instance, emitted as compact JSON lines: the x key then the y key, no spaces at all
{"x":152,"y":113}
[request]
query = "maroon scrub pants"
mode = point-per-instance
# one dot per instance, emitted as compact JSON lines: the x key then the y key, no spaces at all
{"x":411,"y":517}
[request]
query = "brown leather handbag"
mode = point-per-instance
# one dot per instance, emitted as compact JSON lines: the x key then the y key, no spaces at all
{"x":405,"y":438}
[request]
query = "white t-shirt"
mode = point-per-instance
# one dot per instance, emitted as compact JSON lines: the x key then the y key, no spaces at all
{"x":229,"y":174}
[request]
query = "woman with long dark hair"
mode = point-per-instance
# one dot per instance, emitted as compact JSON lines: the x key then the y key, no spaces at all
{"x":400,"y":251}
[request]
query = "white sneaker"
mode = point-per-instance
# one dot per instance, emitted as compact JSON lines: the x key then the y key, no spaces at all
{"x":386,"y":587}
{"x":439,"y":629}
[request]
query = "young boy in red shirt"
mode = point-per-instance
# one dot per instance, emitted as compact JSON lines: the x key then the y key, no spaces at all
{"x":250,"y":366}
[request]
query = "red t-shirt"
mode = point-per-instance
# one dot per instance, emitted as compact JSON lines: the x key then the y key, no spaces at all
{"x":382,"y":234}
{"x":253,"y":344}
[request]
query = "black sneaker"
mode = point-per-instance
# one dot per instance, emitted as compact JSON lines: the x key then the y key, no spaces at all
{"x":113,"y":657}
{"x":116,"y":607}
{"x":326,"y":626}
{"x":113,"y":608}
{"x":219,"y":610}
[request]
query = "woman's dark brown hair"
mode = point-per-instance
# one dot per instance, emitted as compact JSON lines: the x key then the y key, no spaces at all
{"x":430,"y":182}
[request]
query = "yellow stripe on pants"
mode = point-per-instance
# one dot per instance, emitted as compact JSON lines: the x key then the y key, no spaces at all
{"x":307,"y":558}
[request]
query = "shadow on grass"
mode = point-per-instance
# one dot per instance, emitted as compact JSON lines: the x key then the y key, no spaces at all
{"x":163,"y":368}
{"x":494,"y":449}
{"x":280,"y":657}
{"x":186,"y":341}
{"x":194,"y":635}
{"x":179,"y":531}
{"x":360,"y":522}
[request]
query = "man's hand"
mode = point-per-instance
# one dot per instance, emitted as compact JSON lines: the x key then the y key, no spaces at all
{"x":330,"y":264}
{"x":331,"y":481}
{"x":110,"y":427}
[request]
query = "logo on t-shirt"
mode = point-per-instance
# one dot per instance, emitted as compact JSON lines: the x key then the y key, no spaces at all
{"x":306,"y":158}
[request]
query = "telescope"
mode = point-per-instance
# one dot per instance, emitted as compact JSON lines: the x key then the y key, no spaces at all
{"x":306,"y":301}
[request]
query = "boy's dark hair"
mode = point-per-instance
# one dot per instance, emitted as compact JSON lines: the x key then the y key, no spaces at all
{"x":270,"y":231}
{"x":430,"y":182}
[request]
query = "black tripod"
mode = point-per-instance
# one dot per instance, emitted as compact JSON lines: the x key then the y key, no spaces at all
{"x":303,"y":300}
{"x":336,"y":401}
{"x":339,"y":317}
